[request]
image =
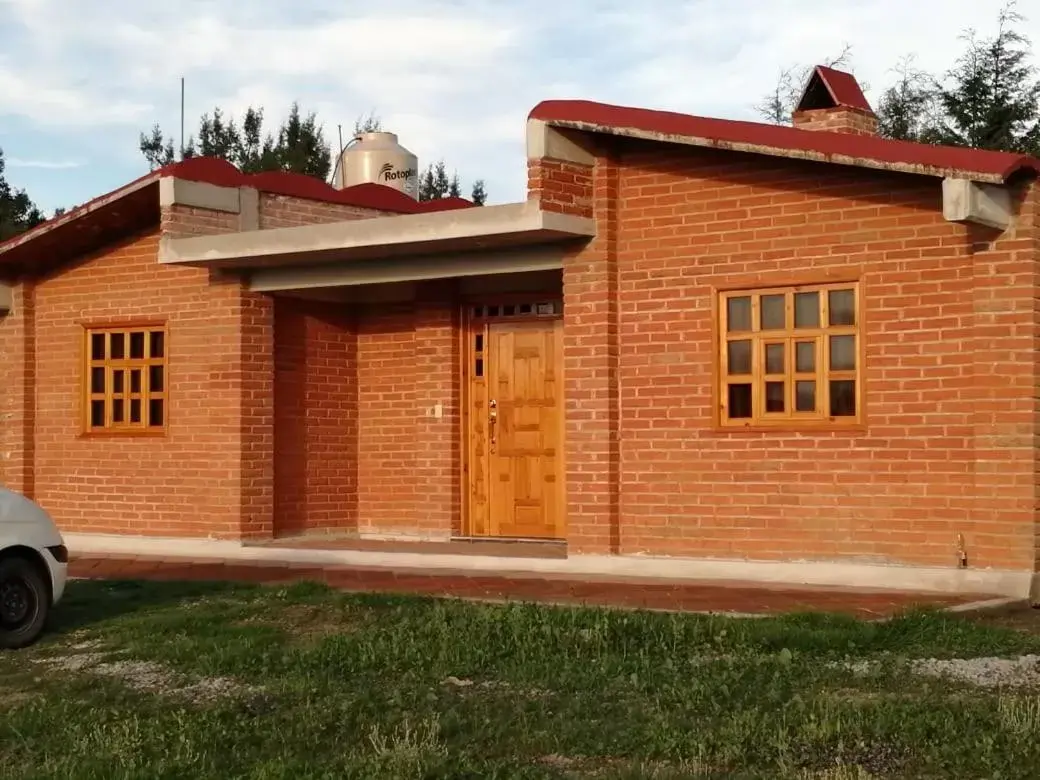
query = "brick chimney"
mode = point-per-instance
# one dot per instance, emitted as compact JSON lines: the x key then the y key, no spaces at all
{"x":833,"y":102}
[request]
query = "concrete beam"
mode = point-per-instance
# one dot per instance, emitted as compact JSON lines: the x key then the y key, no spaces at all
{"x":407,"y":269}
{"x":410,"y":235}
{"x":195,"y":194}
{"x":772,"y":151}
{"x":981,"y":204}
{"x":547,"y":142}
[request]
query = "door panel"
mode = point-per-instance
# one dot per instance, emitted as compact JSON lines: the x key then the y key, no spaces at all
{"x":515,"y":429}
{"x":524,"y":428}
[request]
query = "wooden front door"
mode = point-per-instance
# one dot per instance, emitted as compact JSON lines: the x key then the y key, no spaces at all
{"x":515,"y":427}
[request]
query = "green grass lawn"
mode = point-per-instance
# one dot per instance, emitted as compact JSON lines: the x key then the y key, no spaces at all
{"x":163,"y":680}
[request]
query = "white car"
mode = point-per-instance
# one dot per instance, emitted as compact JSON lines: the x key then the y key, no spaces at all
{"x":33,"y":569}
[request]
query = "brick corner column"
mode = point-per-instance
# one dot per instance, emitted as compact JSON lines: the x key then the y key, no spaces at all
{"x":242,"y":412}
{"x":1005,"y":533}
{"x":590,"y":290}
{"x":256,"y":358}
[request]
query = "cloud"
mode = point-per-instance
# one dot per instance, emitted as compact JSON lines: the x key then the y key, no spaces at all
{"x":454,"y":78}
{"x":49,"y":165}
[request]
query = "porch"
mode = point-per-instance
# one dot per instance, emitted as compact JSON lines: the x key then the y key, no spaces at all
{"x":417,"y":376}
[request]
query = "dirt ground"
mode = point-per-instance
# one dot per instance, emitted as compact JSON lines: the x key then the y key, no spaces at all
{"x":1020,"y":617}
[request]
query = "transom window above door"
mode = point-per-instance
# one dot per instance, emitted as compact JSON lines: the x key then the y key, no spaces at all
{"x":790,"y":356}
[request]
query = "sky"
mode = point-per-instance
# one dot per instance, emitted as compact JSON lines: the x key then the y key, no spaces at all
{"x":455,"y":79}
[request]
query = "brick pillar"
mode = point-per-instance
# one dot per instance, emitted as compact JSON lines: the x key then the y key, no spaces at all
{"x":590,"y":290}
{"x":437,"y":382}
{"x":1033,"y":205}
{"x":17,"y":392}
{"x":242,"y":410}
{"x":256,"y":383}
{"x":1006,"y":413}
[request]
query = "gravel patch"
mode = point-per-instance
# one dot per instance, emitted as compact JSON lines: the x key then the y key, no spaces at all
{"x":1020,"y":672}
{"x":149,"y":677}
{"x":986,"y":672}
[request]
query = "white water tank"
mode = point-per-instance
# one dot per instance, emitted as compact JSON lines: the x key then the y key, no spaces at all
{"x":379,"y":159}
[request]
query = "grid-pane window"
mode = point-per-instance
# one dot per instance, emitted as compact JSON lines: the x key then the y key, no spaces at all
{"x":126,"y":379}
{"x":790,"y":355}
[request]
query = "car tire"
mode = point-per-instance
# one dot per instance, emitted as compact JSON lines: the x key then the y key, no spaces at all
{"x":24,"y":603}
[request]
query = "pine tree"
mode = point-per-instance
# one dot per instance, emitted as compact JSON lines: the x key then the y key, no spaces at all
{"x":435,"y":183}
{"x":992,"y":98}
{"x":907,"y":109}
{"x":17,"y":211}
{"x":299,"y":145}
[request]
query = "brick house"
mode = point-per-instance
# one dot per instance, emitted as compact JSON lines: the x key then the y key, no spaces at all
{"x":790,"y":352}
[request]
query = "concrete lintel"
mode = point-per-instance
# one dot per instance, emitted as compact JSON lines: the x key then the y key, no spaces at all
{"x":408,"y":269}
{"x":199,"y":195}
{"x":249,"y":208}
{"x":924,"y":579}
{"x":545,"y":141}
{"x":407,"y":234}
{"x":982,"y":204}
{"x":6,"y":298}
{"x":773,"y":151}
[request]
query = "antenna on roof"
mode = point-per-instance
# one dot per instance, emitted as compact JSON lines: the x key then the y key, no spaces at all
{"x":182,"y":117}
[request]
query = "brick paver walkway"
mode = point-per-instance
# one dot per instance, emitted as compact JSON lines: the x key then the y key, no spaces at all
{"x":667,"y":595}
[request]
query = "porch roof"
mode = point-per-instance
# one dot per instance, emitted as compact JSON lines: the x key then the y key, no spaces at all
{"x":398,"y":237}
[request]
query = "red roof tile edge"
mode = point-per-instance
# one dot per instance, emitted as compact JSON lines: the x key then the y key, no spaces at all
{"x":784,"y":141}
{"x":210,"y":170}
{"x":843,"y":88}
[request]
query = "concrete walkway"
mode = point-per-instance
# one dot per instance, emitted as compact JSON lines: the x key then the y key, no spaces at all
{"x":745,"y":598}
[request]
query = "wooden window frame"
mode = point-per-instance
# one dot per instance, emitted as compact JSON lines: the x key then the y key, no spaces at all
{"x":118,"y":403}
{"x":790,"y":336}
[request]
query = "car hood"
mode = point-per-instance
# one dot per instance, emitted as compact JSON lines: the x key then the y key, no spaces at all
{"x":23,"y":521}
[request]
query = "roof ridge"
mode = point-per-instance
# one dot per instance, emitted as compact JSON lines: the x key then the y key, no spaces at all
{"x":782,"y":140}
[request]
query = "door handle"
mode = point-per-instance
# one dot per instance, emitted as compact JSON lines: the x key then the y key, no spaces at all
{"x":492,"y":422}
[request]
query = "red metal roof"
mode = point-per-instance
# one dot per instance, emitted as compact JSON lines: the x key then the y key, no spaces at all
{"x":841,"y":87}
{"x":783,"y":141}
{"x":211,"y":170}
{"x":136,"y":205}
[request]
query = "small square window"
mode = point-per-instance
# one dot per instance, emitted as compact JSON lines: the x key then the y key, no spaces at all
{"x":126,"y":380}
{"x":791,"y":356}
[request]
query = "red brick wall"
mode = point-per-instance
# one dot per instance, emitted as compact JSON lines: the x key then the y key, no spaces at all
{"x":316,"y":417}
{"x":952,"y":422}
{"x":561,"y":186}
{"x":275,"y":494}
{"x":408,"y":474}
{"x":590,"y":375}
{"x":837,"y":120}
{"x":278,"y":211}
{"x":184,"y":483}
{"x":213,"y":474}
{"x":17,"y":411}
{"x":241,"y":333}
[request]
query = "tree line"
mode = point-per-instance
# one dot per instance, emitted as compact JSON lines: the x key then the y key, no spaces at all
{"x":299,"y":145}
{"x":989,"y":98}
